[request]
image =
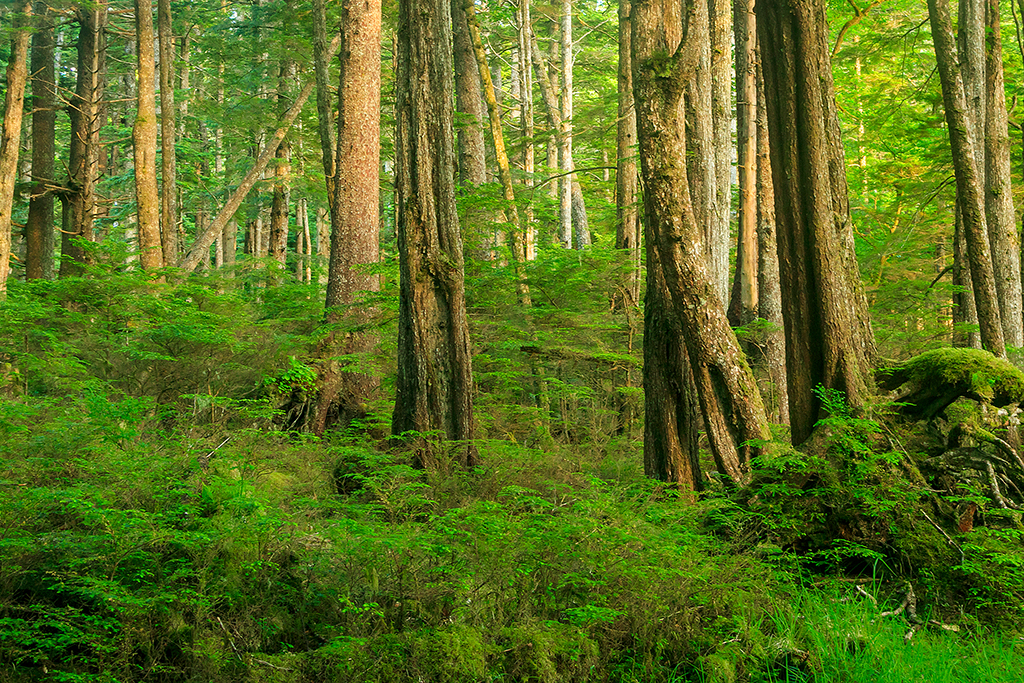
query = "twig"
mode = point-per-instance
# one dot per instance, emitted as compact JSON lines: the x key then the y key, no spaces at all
{"x":869,"y":596}
{"x":204,"y":460}
{"x":942,"y":531}
{"x":230,"y":639}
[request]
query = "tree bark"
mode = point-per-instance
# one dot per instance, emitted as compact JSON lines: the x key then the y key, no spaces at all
{"x":999,"y":213}
{"x":168,"y":136}
{"x":968,"y":183}
{"x":664,"y":61}
{"x":39,"y":233}
{"x":10,"y":140}
{"x":435,"y":379}
{"x":565,"y":160}
{"x":627,"y":224}
{"x":828,"y":335}
{"x":720,"y":21}
{"x":769,"y":289}
{"x":79,"y":195}
{"x":468,"y":101}
{"x":355,"y":223}
{"x":324,"y":108}
{"x":743,"y":303}
{"x":147,"y":195}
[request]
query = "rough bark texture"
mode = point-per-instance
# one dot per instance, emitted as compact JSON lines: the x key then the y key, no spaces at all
{"x":79,"y":195}
{"x":671,"y":422}
{"x":324,"y":108}
{"x":743,"y":304}
{"x":999,"y":214}
{"x":468,"y":101}
{"x":627,"y":225}
{"x":565,"y":160}
{"x":968,"y":183}
{"x":39,"y":233}
{"x":664,"y":61}
{"x":965,"y":315}
{"x":147,"y":196}
{"x":827,"y":330}
{"x":769,"y":289}
{"x":281,"y":203}
{"x":720,"y":22}
{"x":355,"y":223}
{"x":10,"y":141}
{"x":168,"y":135}
{"x":435,"y":379}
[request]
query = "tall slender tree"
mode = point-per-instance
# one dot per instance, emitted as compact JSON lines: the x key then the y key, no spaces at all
{"x":39,"y":232}
{"x":627,"y":224}
{"x":144,"y":137}
{"x":168,"y":136}
{"x":10,"y":139}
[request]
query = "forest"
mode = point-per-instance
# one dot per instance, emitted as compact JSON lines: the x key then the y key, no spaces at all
{"x":549,"y":341}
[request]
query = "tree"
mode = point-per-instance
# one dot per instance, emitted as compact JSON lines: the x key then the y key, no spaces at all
{"x":743,"y":300}
{"x":355,"y":231}
{"x":435,"y":379}
{"x":666,"y":55}
{"x":10,"y":142}
{"x":969,"y":194}
{"x":281,"y":202}
{"x":168,"y":136}
{"x":39,"y":233}
{"x":468,"y":100}
{"x":79,"y":192}
{"x":627,"y":224}
{"x":828,"y":335}
{"x":147,"y":196}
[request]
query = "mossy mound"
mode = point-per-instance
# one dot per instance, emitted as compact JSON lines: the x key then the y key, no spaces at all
{"x":932,"y":381}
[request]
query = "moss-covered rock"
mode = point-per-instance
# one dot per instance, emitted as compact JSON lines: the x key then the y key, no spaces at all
{"x":932,"y":381}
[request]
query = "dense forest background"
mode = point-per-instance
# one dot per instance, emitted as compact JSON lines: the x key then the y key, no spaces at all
{"x":392,"y":343}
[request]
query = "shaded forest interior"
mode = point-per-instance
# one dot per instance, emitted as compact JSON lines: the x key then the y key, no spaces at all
{"x":458,"y":341}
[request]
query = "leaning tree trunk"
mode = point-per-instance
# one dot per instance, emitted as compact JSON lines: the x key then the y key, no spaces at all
{"x":435,"y":379}
{"x":10,"y":142}
{"x":968,"y":183}
{"x":39,"y":233}
{"x":664,"y":62}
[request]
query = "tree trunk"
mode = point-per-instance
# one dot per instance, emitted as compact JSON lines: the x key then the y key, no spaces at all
{"x":627,"y":224}
{"x":743,"y":303}
{"x":968,"y":184}
{"x":39,"y":232}
{"x":965,"y":315}
{"x":999,"y":213}
{"x":10,"y":139}
{"x":664,"y":61}
{"x":720,"y":21}
{"x":769,"y":289}
{"x":168,"y":136}
{"x":828,"y":335}
{"x":83,"y":152}
{"x":468,"y":101}
{"x":565,"y":162}
{"x":279,"y":206}
{"x":147,"y":195}
{"x":526,"y":122}
{"x":324,"y":108}
{"x":435,"y":378}
{"x":355,"y":223}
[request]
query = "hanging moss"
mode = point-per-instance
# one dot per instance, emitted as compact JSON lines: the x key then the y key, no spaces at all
{"x":930,"y":382}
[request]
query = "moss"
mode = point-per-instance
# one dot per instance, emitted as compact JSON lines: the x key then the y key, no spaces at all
{"x":979,"y":372}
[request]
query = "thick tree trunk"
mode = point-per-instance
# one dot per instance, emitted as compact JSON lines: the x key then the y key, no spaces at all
{"x":435,"y":378}
{"x":627,"y":224}
{"x":968,"y":183}
{"x":10,"y":140}
{"x":168,"y":136}
{"x":39,"y":232}
{"x":83,"y":152}
{"x":743,"y":302}
{"x":355,"y":224}
{"x":999,"y":213}
{"x":828,"y":335}
{"x":664,"y":61}
{"x":147,"y":195}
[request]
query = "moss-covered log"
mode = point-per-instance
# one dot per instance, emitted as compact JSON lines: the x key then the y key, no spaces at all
{"x":930,"y":382}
